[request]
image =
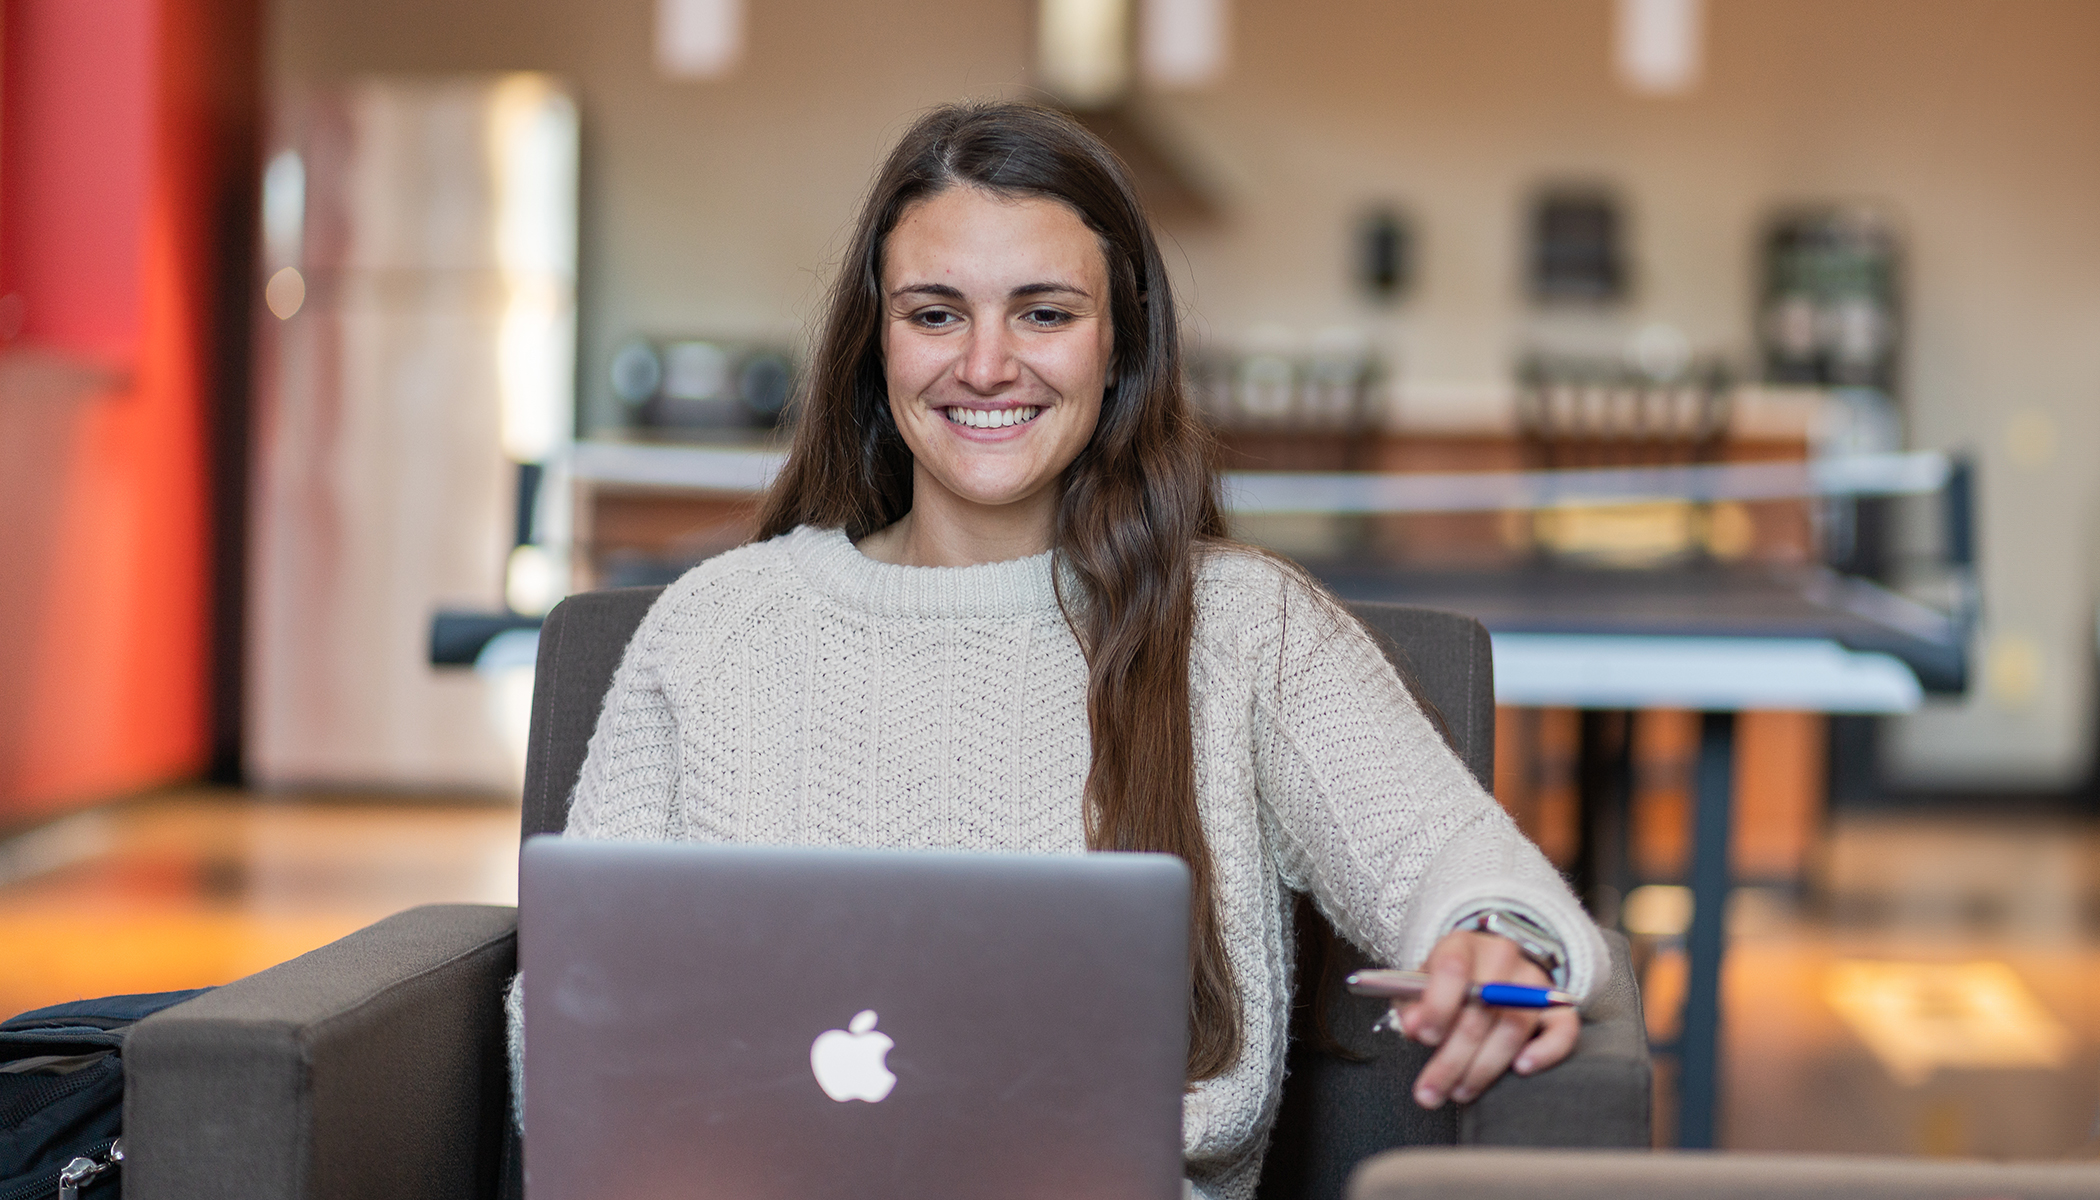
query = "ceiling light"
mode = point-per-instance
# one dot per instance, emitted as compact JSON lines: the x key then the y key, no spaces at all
{"x":1083,"y":49}
{"x":699,"y":39}
{"x":1183,"y":43}
{"x":1659,"y":48}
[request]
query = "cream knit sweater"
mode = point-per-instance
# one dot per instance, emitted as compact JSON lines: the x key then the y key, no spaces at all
{"x":798,"y":692}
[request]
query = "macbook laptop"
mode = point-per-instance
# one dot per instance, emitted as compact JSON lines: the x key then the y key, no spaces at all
{"x":712,"y":1021}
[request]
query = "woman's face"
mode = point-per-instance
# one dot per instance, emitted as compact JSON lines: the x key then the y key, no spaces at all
{"x":996,"y":343}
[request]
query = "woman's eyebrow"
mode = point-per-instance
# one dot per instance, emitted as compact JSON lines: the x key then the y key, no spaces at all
{"x":1044,"y":289}
{"x":927,"y":289}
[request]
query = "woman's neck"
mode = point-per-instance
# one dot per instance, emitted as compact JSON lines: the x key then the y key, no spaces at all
{"x":945,"y":530}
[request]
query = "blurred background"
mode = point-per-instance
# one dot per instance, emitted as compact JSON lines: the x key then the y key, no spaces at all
{"x":1732,"y":360}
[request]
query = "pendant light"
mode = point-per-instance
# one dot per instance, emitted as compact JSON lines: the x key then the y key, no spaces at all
{"x":699,"y":39}
{"x":1083,"y":51}
{"x":1659,"y":45}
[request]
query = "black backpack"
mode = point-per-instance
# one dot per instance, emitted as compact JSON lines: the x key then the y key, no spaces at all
{"x":62,"y":1095}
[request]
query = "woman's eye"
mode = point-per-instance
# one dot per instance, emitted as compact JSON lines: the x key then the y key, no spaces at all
{"x":1046,"y":316}
{"x":934,"y":318}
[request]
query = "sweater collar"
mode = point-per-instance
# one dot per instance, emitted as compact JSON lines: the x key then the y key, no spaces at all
{"x":836,"y":568}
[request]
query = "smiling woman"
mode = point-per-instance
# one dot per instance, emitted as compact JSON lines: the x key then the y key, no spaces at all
{"x":993,"y":607}
{"x":1003,"y":262}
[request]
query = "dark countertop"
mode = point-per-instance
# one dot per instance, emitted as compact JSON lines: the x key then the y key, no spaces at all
{"x":1695,"y":601}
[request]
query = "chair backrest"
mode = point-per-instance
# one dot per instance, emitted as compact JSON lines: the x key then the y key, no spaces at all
{"x":1347,"y":1093}
{"x":580,"y":648}
{"x":1443,"y":655}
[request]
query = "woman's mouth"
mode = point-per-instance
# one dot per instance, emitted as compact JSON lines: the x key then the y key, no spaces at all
{"x":991,"y":418}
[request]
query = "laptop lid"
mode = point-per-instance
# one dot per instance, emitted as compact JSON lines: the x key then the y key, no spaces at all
{"x":732,"y":1021}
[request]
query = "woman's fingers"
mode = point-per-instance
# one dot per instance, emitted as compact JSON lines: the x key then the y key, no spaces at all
{"x":1476,"y":1056}
{"x":1475,"y":1044}
{"x":1558,"y":1029}
{"x":1512,"y":1029}
{"x":1448,"y":1065}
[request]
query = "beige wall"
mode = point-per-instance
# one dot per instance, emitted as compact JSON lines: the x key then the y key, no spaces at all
{"x":718,"y":207}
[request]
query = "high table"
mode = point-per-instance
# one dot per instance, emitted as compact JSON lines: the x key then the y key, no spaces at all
{"x":1717,"y":640}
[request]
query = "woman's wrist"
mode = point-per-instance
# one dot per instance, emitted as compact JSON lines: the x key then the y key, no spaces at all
{"x":1533,"y":940}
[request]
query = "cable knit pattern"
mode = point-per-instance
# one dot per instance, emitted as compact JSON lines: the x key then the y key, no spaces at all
{"x":796,"y":692}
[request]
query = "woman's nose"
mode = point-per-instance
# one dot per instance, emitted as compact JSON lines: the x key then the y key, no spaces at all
{"x":988,"y":362}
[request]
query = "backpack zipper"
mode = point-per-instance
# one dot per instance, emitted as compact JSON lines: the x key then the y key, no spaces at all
{"x":69,"y":1178}
{"x":83,"y":1170}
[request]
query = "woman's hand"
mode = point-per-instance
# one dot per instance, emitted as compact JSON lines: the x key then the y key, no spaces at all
{"x":1475,"y":1043}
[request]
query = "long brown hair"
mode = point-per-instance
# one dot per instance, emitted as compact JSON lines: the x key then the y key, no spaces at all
{"x":1137,"y":502}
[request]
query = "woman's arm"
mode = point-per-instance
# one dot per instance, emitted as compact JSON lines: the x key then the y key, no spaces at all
{"x":1368,"y":809}
{"x":628,"y":788}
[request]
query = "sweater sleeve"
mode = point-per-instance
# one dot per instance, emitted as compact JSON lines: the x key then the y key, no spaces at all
{"x":628,"y":788}
{"x":1368,"y":809}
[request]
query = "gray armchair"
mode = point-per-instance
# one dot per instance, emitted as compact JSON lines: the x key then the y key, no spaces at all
{"x":374,"y":1066}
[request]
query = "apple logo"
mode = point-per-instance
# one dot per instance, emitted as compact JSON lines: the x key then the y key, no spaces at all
{"x":848,"y":1065}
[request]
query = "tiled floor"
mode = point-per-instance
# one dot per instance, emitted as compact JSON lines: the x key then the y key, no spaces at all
{"x":202,"y":887}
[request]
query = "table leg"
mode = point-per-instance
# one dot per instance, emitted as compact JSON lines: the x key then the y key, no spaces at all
{"x":1698,"y":1056}
{"x":1604,"y":802}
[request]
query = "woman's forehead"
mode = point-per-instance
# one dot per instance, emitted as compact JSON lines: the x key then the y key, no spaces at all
{"x":974,"y":240}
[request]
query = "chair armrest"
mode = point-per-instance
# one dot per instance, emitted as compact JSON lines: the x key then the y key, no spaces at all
{"x":1601,"y":1095}
{"x":372,"y":1066}
{"x":1446,"y":1173}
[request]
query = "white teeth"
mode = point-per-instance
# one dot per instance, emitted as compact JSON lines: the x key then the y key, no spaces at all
{"x":977,"y":418}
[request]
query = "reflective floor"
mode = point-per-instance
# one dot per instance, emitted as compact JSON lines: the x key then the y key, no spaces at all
{"x":1935,"y":991}
{"x":1908,"y":1039}
{"x":202,"y":887}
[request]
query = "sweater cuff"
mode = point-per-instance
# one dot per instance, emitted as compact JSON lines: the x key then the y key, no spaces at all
{"x":1583,"y":946}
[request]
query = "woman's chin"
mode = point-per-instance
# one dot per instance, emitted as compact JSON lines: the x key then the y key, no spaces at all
{"x":994,"y":496}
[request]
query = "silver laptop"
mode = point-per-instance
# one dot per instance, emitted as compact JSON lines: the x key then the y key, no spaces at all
{"x":711,"y":1021}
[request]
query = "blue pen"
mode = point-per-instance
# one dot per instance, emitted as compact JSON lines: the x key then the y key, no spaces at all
{"x":1406,"y":984}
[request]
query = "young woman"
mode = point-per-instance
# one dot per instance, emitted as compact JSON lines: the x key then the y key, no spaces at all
{"x":993,"y":607}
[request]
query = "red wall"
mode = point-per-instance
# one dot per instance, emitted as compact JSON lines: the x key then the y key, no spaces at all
{"x":122,"y":125}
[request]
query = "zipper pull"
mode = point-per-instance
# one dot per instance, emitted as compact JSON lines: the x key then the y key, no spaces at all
{"x":70,"y":1178}
{"x":81,"y":1170}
